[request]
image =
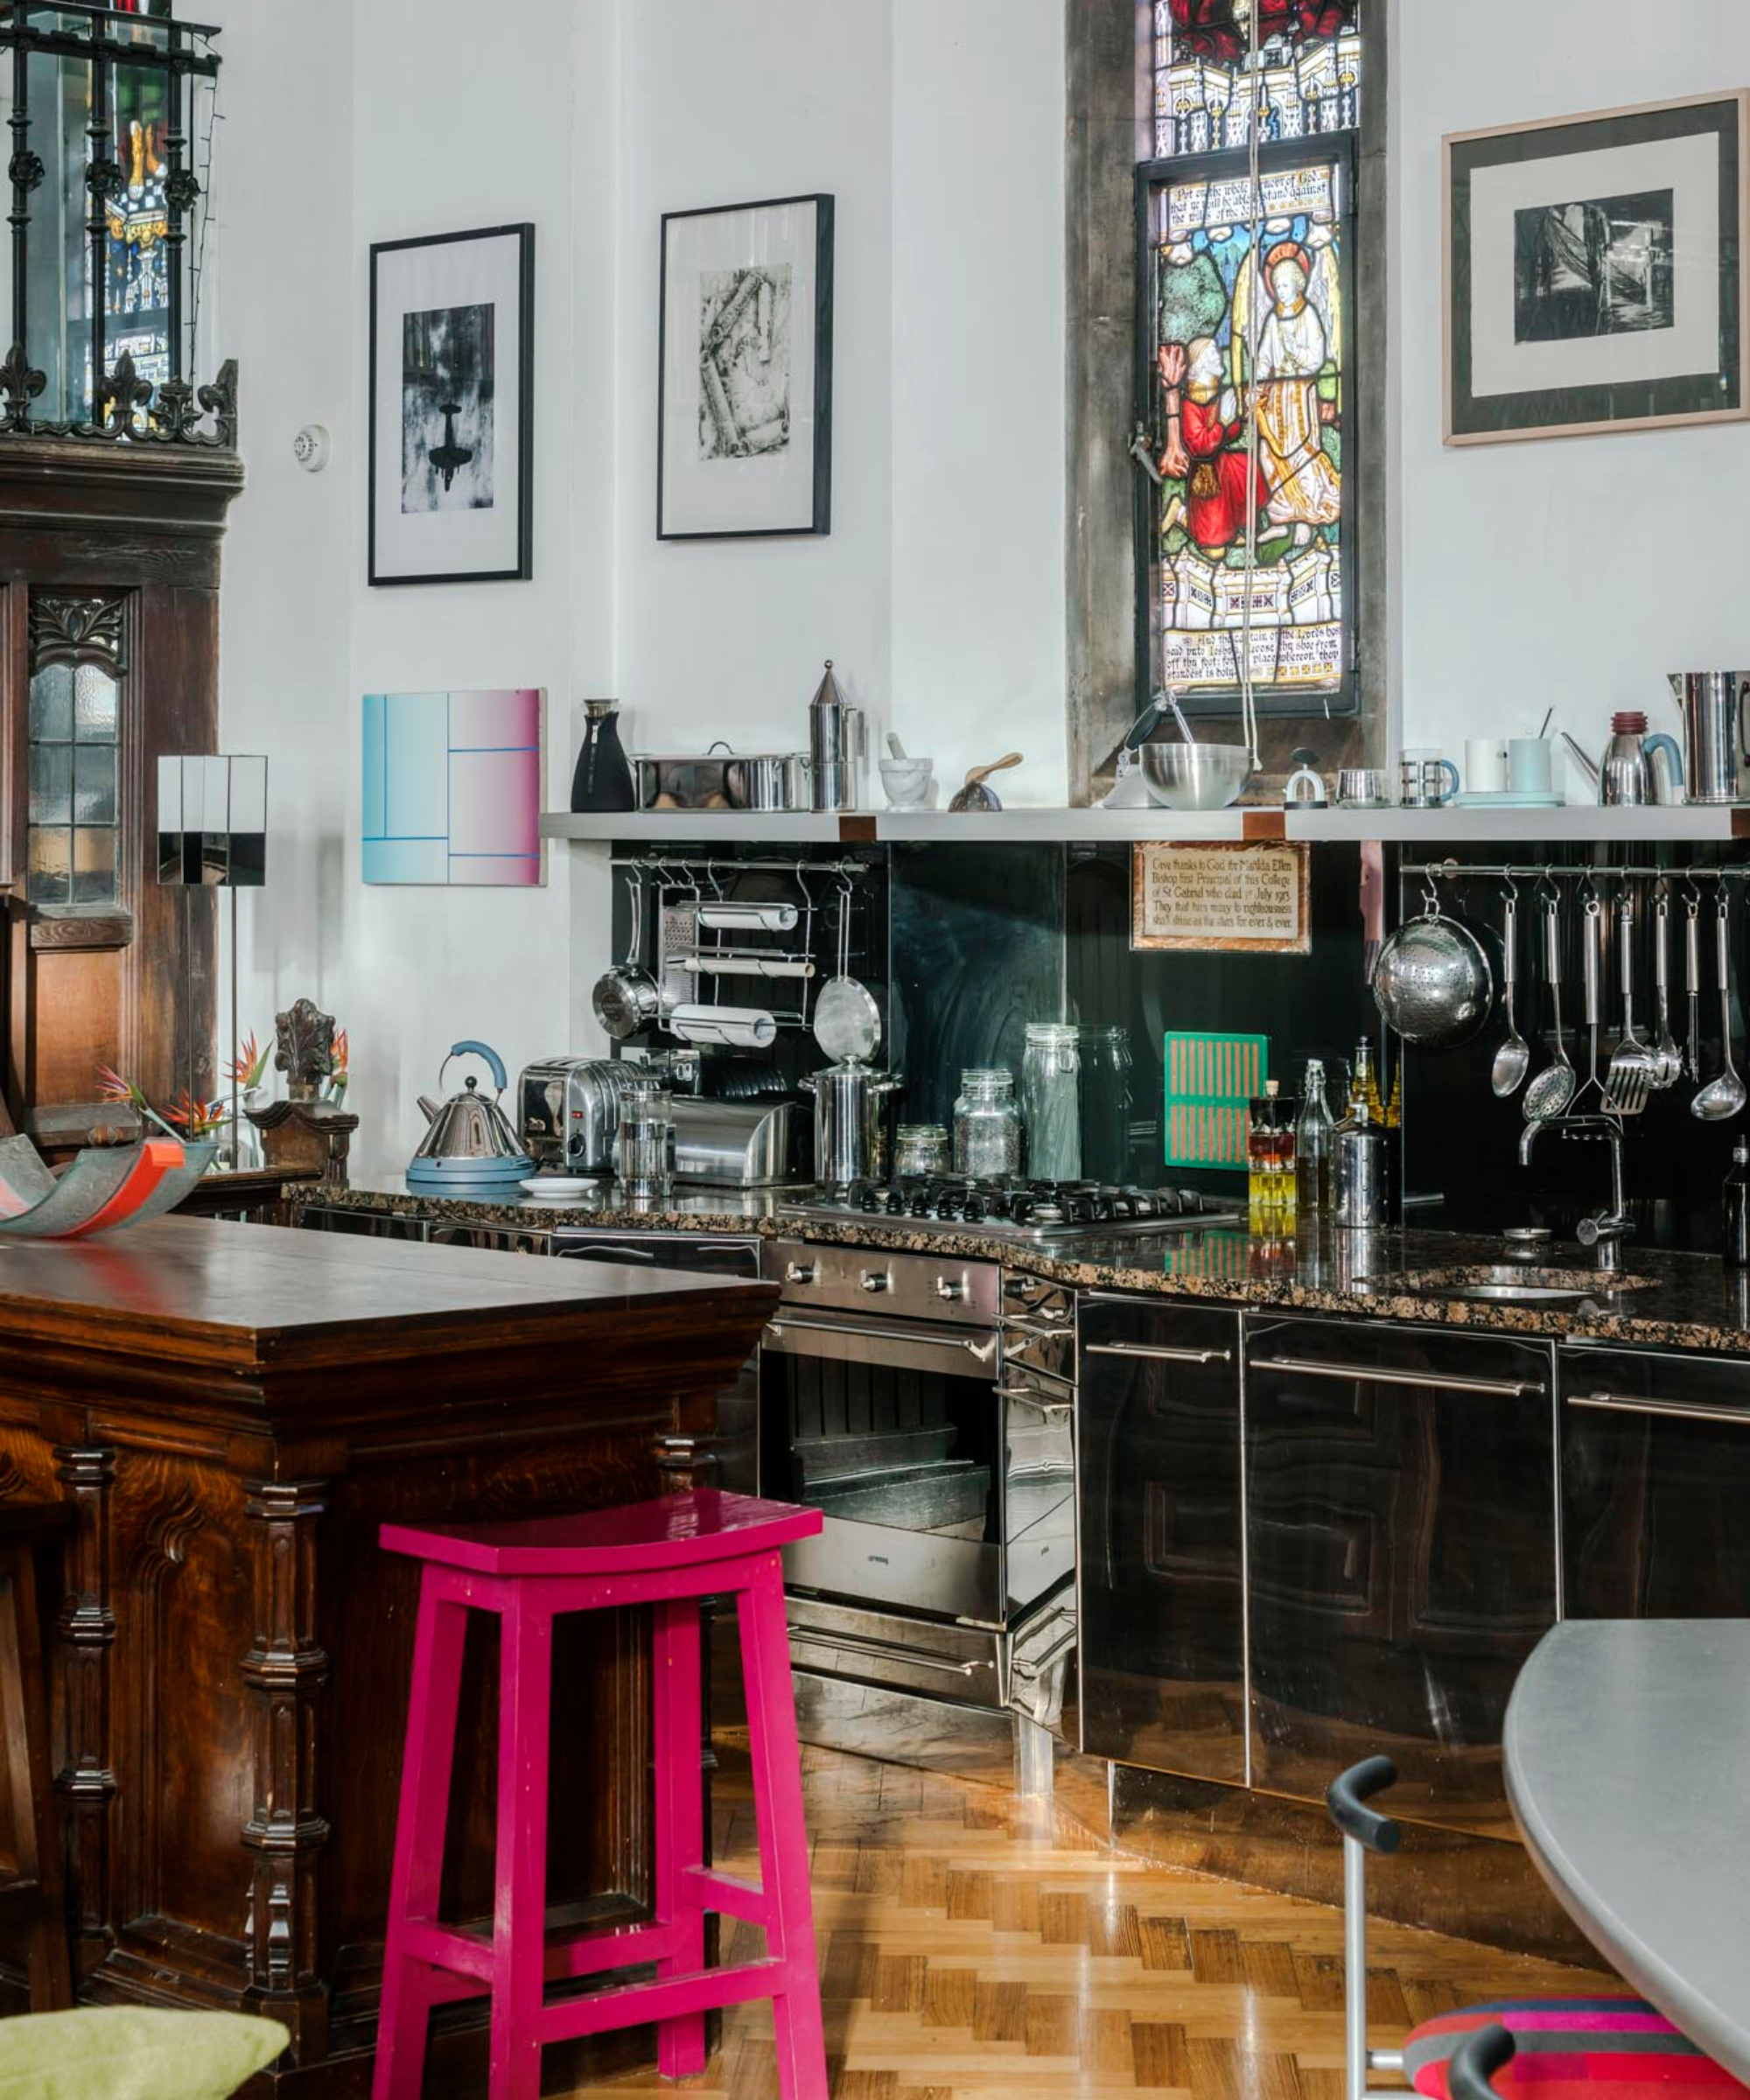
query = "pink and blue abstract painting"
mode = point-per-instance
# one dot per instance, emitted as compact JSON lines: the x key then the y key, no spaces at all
{"x":452,"y":787}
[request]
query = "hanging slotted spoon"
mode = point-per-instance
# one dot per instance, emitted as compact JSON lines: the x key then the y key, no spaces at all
{"x":1513,"y":1059}
{"x":1553,"y":1088}
{"x":1634,"y":1065}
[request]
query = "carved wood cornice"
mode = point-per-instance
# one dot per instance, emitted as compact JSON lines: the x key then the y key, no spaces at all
{"x":115,"y":514}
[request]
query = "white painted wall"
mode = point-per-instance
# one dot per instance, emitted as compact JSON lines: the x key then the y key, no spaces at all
{"x":1576,"y":571}
{"x":438,"y":127}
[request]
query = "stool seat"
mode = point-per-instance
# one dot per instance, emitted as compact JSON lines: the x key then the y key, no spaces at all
{"x":1575,"y":2048}
{"x":673,"y":1531}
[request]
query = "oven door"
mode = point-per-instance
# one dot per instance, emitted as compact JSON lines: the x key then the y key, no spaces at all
{"x":893,"y":1429}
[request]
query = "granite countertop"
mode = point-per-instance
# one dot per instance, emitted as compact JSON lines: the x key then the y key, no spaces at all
{"x":1679,"y":1302}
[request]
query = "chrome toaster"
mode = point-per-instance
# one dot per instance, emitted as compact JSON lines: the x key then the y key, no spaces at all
{"x":568,"y":1112}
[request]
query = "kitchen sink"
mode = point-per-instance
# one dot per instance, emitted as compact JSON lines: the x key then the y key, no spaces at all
{"x":1506,"y":1286}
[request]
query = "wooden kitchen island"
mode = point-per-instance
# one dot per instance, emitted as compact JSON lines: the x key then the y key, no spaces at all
{"x":233,"y":1411}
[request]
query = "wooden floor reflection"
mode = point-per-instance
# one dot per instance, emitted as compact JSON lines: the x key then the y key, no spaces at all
{"x":970,"y":1948}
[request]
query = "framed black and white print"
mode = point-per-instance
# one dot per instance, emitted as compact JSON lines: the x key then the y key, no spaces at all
{"x":451,"y":383}
{"x":1596,"y":272}
{"x":743,"y":415}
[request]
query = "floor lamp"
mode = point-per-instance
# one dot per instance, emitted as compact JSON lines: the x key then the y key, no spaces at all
{"x":213,"y":834}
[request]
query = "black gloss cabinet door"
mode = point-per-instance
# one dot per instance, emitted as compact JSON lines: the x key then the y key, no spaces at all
{"x":1655,"y":1478}
{"x":1163,"y":1600}
{"x":1402,"y":1543}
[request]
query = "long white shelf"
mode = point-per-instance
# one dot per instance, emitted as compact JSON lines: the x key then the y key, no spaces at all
{"x":1575,"y":825}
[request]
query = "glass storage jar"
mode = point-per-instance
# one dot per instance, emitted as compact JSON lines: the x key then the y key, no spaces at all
{"x":920,"y":1148}
{"x":1106,"y":1105}
{"x":1051,"y":1101}
{"x":987,"y":1125}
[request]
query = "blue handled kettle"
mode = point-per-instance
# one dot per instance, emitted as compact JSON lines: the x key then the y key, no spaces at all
{"x":470,"y":1146}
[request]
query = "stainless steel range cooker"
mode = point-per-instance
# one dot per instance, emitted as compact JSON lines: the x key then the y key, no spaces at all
{"x":925,"y":1404}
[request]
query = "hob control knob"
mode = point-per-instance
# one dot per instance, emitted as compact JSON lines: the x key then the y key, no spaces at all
{"x":801,"y":1272}
{"x":877,"y":1279}
{"x":946,"y":1287}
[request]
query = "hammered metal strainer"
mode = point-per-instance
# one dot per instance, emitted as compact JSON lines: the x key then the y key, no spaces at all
{"x":1433,"y":982}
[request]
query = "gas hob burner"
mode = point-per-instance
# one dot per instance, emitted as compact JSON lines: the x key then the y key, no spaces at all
{"x":1016,"y":1207}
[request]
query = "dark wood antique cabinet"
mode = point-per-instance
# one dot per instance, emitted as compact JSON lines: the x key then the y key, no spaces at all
{"x":109,"y":659}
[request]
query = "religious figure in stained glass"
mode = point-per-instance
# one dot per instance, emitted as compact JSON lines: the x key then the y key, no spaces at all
{"x":1223,"y":285}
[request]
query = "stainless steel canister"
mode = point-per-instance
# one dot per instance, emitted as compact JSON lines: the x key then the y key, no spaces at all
{"x":1363,"y":1173}
{"x":1714,"y":706}
{"x":851,"y":1103}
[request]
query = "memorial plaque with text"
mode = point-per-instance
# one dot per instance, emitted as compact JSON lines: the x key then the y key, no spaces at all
{"x":1245,"y":898}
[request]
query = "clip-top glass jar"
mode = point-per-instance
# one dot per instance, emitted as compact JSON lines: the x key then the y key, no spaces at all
{"x":1051,"y":1101}
{"x":987,"y":1126}
{"x":920,"y":1148}
{"x":1106,"y":1105}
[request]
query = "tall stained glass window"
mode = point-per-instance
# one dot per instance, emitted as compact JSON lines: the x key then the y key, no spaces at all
{"x":1248,"y":308}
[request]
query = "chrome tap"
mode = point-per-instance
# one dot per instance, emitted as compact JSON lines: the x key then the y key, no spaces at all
{"x":1606,"y":1232}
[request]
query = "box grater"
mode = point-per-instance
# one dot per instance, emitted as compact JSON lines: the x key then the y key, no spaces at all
{"x":1211,"y":1082}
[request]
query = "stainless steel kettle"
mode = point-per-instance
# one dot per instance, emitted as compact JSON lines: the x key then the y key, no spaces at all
{"x":470,"y":1146}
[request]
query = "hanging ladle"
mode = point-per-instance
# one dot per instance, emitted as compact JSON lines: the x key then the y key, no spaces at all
{"x":1513,"y":1059}
{"x":1722,"y":1097}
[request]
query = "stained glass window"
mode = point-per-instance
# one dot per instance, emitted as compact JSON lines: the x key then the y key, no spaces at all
{"x":1308,"y":79}
{"x":1220,"y":284}
{"x":1248,"y":315}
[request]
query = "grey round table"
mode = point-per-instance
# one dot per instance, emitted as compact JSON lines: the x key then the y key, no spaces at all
{"x":1627,"y":1757}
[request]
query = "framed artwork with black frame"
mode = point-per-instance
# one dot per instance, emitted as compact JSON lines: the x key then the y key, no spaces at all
{"x":1596,"y":272}
{"x":1214,"y":280}
{"x":743,"y":406}
{"x":452,"y":407}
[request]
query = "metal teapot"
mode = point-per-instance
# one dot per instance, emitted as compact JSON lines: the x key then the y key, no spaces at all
{"x":470,"y":1146}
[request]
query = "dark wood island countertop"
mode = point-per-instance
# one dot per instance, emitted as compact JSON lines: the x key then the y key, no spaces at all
{"x":233,"y":1411}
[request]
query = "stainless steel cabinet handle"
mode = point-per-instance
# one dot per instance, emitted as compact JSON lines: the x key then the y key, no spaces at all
{"x":1135,"y":1348}
{"x":862,"y":1644}
{"x":801,"y":1272}
{"x":595,"y":1251}
{"x":1028,"y":1332}
{"x":1032,"y":1666}
{"x":982,"y":1351}
{"x":1617,"y":1404}
{"x":1348,"y":1374}
{"x":1051,"y":1410}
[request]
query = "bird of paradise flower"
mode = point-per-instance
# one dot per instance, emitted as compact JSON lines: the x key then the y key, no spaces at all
{"x":341,"y":1069}
{"x":111,"y":1085}
{"x":248,"y":1066}
{"x":197,"y":1119}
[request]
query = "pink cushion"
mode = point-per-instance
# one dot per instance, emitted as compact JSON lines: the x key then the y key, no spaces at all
{"x":1575,"y":2048}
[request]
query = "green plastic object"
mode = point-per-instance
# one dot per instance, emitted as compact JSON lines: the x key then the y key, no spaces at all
{"x":1211,"y":1082}
{"x":132,"y":2053}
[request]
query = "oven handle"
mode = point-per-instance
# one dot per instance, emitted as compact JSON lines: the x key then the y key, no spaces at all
{"x":981,"y":1351}
{"x":1030,"y":1667}
{"x":1051,"y":1411}
{"x":1490,"y":1389}
{"x":864,"y":1644}
{"x":1615,"y":1403}
{"x":603,"y":1250}
{"x":1155,"y":1355}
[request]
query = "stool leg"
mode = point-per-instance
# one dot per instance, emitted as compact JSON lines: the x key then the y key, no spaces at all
{"x":418,"y":1872}
{"x":783,"y":1835}
{"x":520,"y":1913}
{"x":24,"y":1733}
{"x":679,"y":1821}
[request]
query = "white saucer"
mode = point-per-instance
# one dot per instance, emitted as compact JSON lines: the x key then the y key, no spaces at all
{"x":562,"y":1188}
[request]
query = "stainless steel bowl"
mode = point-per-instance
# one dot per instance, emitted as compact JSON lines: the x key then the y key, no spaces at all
{"x":1196,"y":776}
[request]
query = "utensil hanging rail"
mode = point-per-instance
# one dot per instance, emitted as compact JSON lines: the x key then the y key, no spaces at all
{"x":1538,"y":871}
{"x":711,"y":863}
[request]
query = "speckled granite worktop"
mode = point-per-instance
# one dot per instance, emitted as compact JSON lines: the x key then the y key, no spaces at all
{"x":1682,"y":1301}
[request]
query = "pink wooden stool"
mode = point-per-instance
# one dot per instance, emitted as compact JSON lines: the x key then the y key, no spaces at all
{"x":667,"y":1554}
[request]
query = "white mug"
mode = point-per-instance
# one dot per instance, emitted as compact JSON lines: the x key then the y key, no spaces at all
{"x":1484,"y":766}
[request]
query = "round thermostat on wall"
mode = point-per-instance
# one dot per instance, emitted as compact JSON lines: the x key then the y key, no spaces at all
{"x":310,"y":447}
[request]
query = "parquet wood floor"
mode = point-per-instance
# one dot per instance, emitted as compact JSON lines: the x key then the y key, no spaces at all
{"x":970,"y":1948}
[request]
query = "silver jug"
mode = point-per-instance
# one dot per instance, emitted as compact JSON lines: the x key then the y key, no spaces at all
{"x":851,"y":1102}
{"x":1363,"y":1173}
{"x":1629,"y":777}
{"x":837,"y":746}
{"x":1716,"y":744}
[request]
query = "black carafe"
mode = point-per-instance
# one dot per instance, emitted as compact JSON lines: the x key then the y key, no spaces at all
{"x":603,"y":779}
{"x":1736,"y":1220}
